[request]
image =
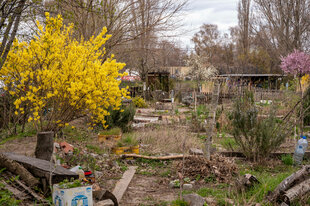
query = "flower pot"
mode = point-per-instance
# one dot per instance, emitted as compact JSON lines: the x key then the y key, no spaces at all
{"x":126,"y":150}
{"x":108,"y":138}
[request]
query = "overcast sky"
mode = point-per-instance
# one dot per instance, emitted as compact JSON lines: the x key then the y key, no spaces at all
{"x":220,"y":12}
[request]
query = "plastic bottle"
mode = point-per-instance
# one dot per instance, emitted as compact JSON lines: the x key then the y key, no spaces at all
{"x":75,"y":169}
{"x":303,"y":142}
{"x":81,"y":174}
{"x":298,"y":155}
{"x":78,"y":169}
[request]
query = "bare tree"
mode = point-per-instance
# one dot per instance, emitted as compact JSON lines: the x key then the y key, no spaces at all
{"x":214,"y":48}
{"x":11,"y":11}
{"x":281,"y":26}
{"x":150,"y":19}
{"x":133,"y":24}
{"x":243,"y":43}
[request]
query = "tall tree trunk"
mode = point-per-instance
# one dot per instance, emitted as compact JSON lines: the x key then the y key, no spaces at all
{"x":45,"y":144}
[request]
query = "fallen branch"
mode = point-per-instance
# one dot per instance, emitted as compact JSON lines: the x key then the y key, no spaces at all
{"x":18,"y":169}
{"x":287,"y":183}
{"x":299,"y":190}
{"x":31,"y":192}
{"x":15,"y":192}
{"x":154,"y":157}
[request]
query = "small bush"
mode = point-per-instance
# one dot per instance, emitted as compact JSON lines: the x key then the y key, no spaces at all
{"x":287,"y":159}
{"x":198,"y":117}
{"x":139,"y":102}
{"x":121,"y":118}
{"x":66,"y":184}
{"x":256,"y":137}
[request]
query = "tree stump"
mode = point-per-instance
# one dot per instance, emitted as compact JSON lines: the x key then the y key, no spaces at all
{"x":45,"y":144}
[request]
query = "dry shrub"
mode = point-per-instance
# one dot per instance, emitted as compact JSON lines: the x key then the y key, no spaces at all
{"x":165,"y":139}
{"x":221,"y":168}
{"x":225,"y":122}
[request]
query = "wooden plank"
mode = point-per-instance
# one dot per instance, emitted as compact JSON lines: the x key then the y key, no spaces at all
{"x":121,"y":186}
{"x":43,"y":168}
{"x":40,"y":164}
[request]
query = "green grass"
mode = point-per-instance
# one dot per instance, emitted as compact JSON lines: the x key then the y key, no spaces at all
{"x":95,"y":149}
{"x":166,"y":173}
{"x":213,"y":192}
{"x":228,"y":143}
{"x":75,"y":134}
{"x":127,"y":140}
{"x":287,"y":159}
{"x":113,"y":131}
{"x":153,"y":163}
{"x":269,"y":179}
{"x":179,"y":202}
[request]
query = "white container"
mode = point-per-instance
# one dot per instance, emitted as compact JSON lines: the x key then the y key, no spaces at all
{"x":303,"y":142}
{"x":78,"y":196}
{"x":298,"y":155}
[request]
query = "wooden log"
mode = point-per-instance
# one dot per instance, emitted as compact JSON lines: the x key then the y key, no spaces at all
{"x":154,"y":157}
{"x":300,"y":190}
{"x":293,"y":179}
{"x":18,"y":169}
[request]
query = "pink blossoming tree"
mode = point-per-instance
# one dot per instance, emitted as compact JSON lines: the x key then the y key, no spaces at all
{"x":297,"y":63}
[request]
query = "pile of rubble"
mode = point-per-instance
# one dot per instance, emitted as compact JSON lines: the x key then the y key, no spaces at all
{"x":219,"y":167}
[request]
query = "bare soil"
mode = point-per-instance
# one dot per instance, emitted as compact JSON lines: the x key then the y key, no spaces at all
{"x":148,"y":190}
{"x":23,"y":146}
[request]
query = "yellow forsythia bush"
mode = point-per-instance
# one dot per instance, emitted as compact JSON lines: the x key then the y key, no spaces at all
{"x":57,"y":77}
{"x":139,"y":102}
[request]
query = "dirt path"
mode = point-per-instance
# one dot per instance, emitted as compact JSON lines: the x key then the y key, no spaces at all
{"x":148,"y":190}
{"x":23,"y":146}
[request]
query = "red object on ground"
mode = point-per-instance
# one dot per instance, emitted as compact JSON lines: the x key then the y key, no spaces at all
{"x":66,"y":147}
{"x":87,"y":173}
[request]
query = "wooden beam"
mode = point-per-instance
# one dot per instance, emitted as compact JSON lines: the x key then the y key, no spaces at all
{"x":121,"y":186}
{"x":42,"y":168}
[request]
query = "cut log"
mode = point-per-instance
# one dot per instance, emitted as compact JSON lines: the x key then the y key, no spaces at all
{"x":290,"y":181}
{"x":18,"y":169}
{"x":45,"y":144}
{"x":246,"y":181}
{"x":300,"y":190}
{"x":154,"y":157}
{"x":42,"y":168}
